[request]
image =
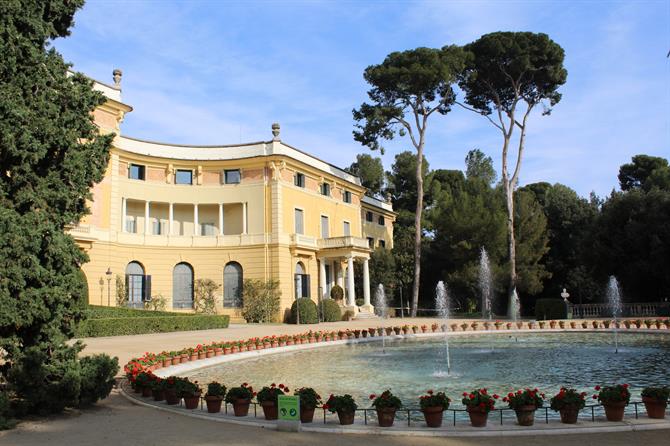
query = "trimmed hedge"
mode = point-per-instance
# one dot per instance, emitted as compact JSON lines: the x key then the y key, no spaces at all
{"x":331,"y":311}
{"x":308,"y":313}
{"x":99,"y":312}
{"x":119,"y":326}
{"x":550,"y":309}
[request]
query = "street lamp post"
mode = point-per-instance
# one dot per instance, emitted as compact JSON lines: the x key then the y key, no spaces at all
{"x":297,"y":300}
{"x":109,"y":285}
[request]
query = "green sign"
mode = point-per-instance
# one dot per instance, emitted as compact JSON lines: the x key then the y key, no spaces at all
{"x":289,"y":408}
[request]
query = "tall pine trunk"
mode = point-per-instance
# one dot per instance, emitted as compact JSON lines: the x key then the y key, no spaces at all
{"x":417,"y":226}
{"x":509,"y":198}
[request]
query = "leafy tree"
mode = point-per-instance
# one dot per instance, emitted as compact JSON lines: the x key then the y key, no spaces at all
{"x":407,"y":88}
{"x":51,"y":155}
{"x":371,"y":172}
{"x":382,"y":269}
{"x":478,"y":165}
{"x":644,"y":173}
{"x":262,"y":300}
{"x":532,"y":243}
{"x":204,"y":299}
{"x":507,"y":75}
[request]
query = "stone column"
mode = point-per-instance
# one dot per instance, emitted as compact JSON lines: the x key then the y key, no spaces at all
{"x":220,"y":219}
{"x":170,"y":218}
{"x":350,"y":280}
{"x":123,"y":215}
{"x":322,"y":278}
{"x":340,"y":274}
{"x":366,"y":283}
{"x":195,"y":220}
{"x":146,"y":218}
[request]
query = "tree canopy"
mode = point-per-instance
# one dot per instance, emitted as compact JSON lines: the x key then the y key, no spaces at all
{"x":645,"y":172}
{"x":371,"y":172}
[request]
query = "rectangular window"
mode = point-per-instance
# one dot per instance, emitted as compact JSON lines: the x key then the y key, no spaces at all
{"x":346,"y":196}
{"x":208,"y":229}
{"x":299,"y":179}
{"x":380,"y":220}
{"x":382,"y":244}
{"x":347,"y":228}
{"x":131,"y":225}
{"x":299,"y":223}
{"x":232,"y":176}
{"x":368,"y":216}
{"x":325,"y":189}
{"x":183,"y":177}
{"x":136,"y":172}
{"x":324,"y":227}
{"x":371,"y":243}
{"x":157,"y":227}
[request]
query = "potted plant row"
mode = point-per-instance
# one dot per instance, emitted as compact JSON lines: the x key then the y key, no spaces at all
{"x":268,"y":399}
{"x":614,"y":399}
{"x":240,"y":397}
{"x":525,"y":402}
{"x":478,"y":404}
{"x":386,"y":406}
{"x":655,"y":401}
{"x":309,"y":401}
{"x":433,"y":406}
{"x":568,"y":403}
{"x":344,"y":406}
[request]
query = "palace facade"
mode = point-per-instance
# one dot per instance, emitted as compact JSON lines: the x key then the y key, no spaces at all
{"x":166,"y":215}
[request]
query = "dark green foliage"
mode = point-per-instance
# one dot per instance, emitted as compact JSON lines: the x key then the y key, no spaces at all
{"x":97,"y":378}
{"x":479,"y":165}
{"x":371,"y":172}
{"x":6,"y":421}
{"x":382,"y":270}
{"x":531,"y":243}
{"x":331,"y":311}
{"x":645,"y":172}
{"x":546,"y":309}
{"x":51,"y":155}
{"x":158,"y":324}
{"x":336,"y":292}
{"x":308,"y":313}
{"x":261,"y":300}
{"x":98,"y":312}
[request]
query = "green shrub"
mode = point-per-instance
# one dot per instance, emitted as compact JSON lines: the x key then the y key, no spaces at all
{"x":5,"y":415}
{"x":261,"y":300}
{"x":348,"y":315}
{"x":97,"y":378}
{"x":141,"y":325}
{"x":308,"y":314}
{"x":157,"y":303}
{"x":337,"y":293}
{"x":204,"y":300}
{"x":550,"y":309}
{"x":100,"y":312}
{"x":331,"y":311}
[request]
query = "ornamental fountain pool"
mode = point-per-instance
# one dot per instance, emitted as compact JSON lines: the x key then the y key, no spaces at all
{"x":410,"y":366}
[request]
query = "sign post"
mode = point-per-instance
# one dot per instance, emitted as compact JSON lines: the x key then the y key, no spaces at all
{"x":289,"y":413}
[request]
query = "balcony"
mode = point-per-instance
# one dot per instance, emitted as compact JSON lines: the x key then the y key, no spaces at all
{"x":347,"y":241}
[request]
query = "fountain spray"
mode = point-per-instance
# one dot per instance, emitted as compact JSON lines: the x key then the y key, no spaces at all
{"x":381,"y":308}
{"x":614,"y":299}
{"x":442,"y":306}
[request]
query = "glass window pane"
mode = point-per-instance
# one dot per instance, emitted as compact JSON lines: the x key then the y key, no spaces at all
{"x":233,"y":176}
{"x":136,"y":172}
{"x":184,"y":177}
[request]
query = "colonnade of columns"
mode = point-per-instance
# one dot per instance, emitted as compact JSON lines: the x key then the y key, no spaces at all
{"x":351,"y":293}
{"x":196,"y":214}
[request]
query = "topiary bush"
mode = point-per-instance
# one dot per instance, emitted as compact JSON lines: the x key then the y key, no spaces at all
{"x":308,"y":312}
{"x":337,"y":293}
{"x":546,"y":309}
{"x":331,"y":311}
{"x":97,"y":378}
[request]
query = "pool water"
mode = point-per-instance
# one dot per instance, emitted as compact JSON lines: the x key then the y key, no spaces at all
{"x":499,"y":361}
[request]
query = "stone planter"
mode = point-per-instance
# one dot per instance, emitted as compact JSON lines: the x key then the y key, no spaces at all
{"x":569,"y":414}
{"x":655,"y":408}
{"x":525,"y":415}
{"x":345,"y":417}
{"x":213,"y":404}
{"x":614,"y":410}
{"x":478,"y":417}
{"x":433,"y":416}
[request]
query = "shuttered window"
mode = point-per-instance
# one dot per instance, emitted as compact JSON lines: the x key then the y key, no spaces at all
{"x":299,"y":221}
{"x":182,"y":286}
{"x":232,"y":285}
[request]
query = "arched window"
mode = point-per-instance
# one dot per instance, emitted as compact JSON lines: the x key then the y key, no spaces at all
{"x":138,"y":285}
{"x":182,"y":286}
{"x":232,"y":285}
{"x":301,"y":281}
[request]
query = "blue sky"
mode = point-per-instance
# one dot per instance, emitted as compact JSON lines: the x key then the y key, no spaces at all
{"x":214,"y":72}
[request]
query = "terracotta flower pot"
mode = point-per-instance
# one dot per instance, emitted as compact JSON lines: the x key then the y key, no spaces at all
{"x":569,"y":414}
{"x":191,"y":401}
{"x":525,"y":415}
{"x":218,"y":351}
{"x":193,"y":357}
{"x":270,"y":410}
{"x":167,"y":362}
{"x":159,"y":395}
{"x":306,"y":414}
{"x":275,"y":344}
{"x":478,"y":417}
{"x":202,"y":355}
{"x":346,"y":417}
{"x":171,"y":397}
{"x":655,"y":408}
{"x":137,"y":389}
{"x":614,"y":410}
{"x":146,"y":392}
{"x":176,"y":360}
{"x":226,"y":350}
{"x":183,"y":358}
{"x":386,"y":416}
{"x":213,"y":404}
{"x":241,"y":407}
{"x":433,"y":416}
{"x":234,"y":349}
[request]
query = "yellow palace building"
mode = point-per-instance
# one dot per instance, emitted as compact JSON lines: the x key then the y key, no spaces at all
{"x":166,"y":215}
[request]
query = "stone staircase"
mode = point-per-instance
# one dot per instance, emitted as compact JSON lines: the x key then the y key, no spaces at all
{"x":363,"y":314}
